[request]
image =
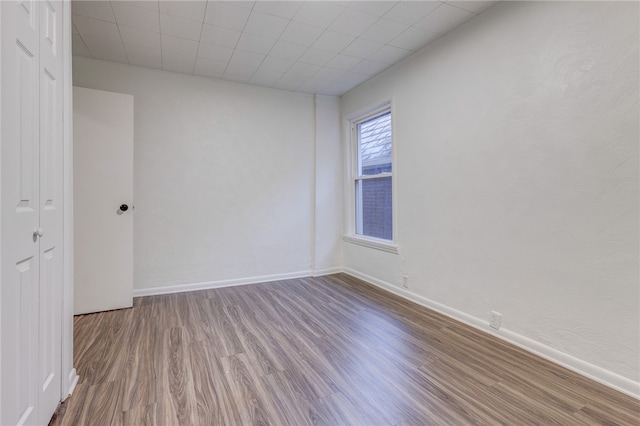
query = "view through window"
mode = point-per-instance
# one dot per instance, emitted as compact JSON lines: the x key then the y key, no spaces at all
{"x":373,"y":183}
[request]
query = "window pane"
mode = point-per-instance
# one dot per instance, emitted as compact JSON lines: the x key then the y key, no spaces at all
{"x":374,"y":145}
{"x":373,"y":207}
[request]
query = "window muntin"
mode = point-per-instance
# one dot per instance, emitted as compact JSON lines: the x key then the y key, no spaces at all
{"x":373,"y":187}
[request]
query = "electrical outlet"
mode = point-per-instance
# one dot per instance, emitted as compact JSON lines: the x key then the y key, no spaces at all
{"x":496,"y":320}
{"x":405,"y":282}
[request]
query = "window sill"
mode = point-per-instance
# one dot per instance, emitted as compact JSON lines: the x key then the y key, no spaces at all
{"x":373,"y":243}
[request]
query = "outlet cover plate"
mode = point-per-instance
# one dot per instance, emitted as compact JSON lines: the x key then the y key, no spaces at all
{"x":496,"y":320}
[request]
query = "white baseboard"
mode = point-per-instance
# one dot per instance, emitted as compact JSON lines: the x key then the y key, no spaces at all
{"x":598,"y":374}
{"x":73,"y":381}
{"x":180,"y":288}
{"x":327,"y":271}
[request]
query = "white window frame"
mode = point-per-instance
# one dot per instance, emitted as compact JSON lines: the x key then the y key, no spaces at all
{"x":353,"y":209}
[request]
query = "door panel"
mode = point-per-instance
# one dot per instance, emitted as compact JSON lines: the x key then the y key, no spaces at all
{"x":20,"y":212}
{"x":31,"y":239}
{"x":103,"y":170}
{"x":51,"y":220}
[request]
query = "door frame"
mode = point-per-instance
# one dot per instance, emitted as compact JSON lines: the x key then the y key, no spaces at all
{"x":69,"y":374}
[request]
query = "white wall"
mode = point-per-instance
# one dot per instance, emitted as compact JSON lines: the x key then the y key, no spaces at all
{"x":517,"y":180}
{"x":224,"y":178}
{"x":328,"y":186}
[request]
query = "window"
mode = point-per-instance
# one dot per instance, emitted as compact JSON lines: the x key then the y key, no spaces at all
{"x":372,"y":175}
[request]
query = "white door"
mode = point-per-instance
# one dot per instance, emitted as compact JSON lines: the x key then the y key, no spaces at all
{"x":51,"y":208}
{"x":103,"y":182}
{"x":31,"y":242}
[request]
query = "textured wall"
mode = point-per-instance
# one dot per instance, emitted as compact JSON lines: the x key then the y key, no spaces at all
{"x":328,"y":185}
{"x":224,"y":176}
{"x":517,"y":178}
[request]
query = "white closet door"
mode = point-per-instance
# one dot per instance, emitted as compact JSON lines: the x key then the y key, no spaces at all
{"x":20,"y":212}
{"x":103,"y":176}
{"x":31,"y":239}
{"x":51,"y":207}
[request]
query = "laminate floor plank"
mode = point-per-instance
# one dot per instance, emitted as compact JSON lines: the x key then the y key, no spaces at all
{"x":330,"y":350}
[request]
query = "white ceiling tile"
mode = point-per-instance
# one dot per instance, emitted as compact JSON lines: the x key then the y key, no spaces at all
{"x":94,"y":28}
{"x":286,"y":84}
{"x":410,"y":12}
{"x":383,"y":31}
{"x":135,"y":36}
{"x":313,"y":85}
{"x":390,"y":54}
{"x":93,"y":9}
{"x":276,"y":64}
{"x":247,"y":59}
{"x":413,"y":39}
{"x":193,"y":10}
{"x":334,"y":89}
{"x":104,"y":48}
{"x":208,"y":68}
{"x":443,"y":19}
{"x":178,"y":46}
{"x":362,"y":48}
{"x":292,"y":78}
{"x":94,"y":44}
{"x":302,"y":34}
{"x":78,"y":46}
{"x":370,"y":67}
{"x":325,"y":47}
{"x":265,"y":81}
{"x":247,"y":4}
{"x":214,"y":52}
{"x":82,"y":52}
{"x":318,"y":13}
{"x":180,"y":27}
{"x":143,"y":57}
{"x":303,"y":70}
{"x":226,"y":14}
{"x":261,"y":24}
{"x":109,"y":56}
{"x":241,"y":74}
{"x":255,"y":44}
{"x":333,"y":41}
{"x":179,"y":63}
{"x":265,"y":77}
{"x":376,"y":8}
{"x":221,"y":36}
{"x":353,"y":22}
{"x":75,"y":38}
{"x":146,"y":4}
{"x":316,"y":56}
{"x":475,"y":6}
{"x":286,"y":50}
{"x":344,"y":62}
{"x":137,"y":17}
{"x":354,"y":78}
{"x":328,"y":74}
{"x":283,"y":9}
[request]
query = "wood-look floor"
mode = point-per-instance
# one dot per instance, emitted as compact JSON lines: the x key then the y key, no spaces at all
{"x":330,"y":350}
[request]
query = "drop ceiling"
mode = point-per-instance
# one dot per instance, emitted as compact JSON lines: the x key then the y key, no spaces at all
{"x":322,"y":47}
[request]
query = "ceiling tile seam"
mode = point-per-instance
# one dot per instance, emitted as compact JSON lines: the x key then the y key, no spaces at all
{"x":160,"y":35}
{"x":428,"y":13}
{"x":126,"y":55}
{"x":236,"y":45}
{"x":278,"y":39}
{"x":83,"y":42}
{"x":97,"y":19}
{"x":195,"y":63}
{"x":324,"y":30}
